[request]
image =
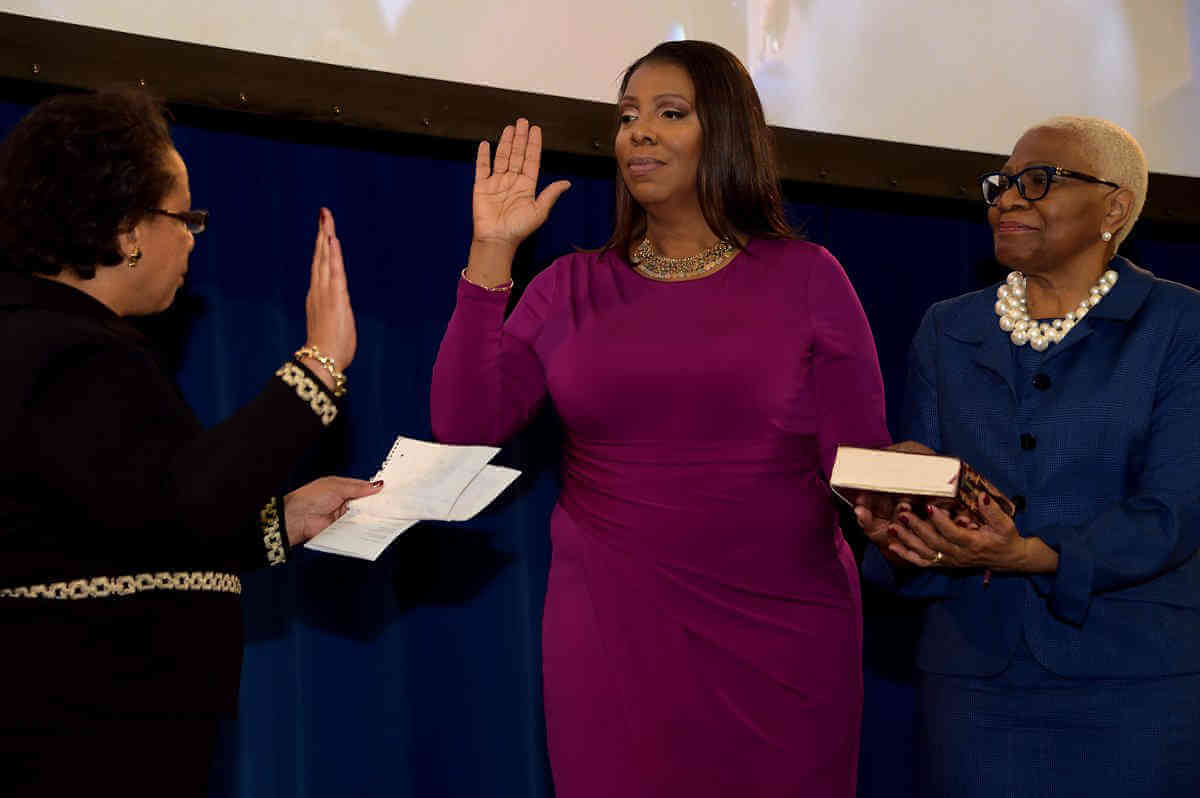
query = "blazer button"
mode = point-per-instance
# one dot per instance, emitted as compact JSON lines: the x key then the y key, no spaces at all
{"x":1028,"y":441}
{"x":1041,"y":381}
{"x":1019,"y":503}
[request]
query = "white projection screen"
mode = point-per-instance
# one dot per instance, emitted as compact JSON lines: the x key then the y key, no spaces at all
{"x":958,"y":74}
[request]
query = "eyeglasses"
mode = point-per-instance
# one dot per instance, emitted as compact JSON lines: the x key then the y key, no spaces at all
{"x":1032,"y":183}
{"x":196,"y":221}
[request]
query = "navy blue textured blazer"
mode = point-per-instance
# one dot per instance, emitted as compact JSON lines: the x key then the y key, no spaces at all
{"x":1111,"y":481}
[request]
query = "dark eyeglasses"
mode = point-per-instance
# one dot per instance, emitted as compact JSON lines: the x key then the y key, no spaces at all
{"x":1032,"y":183}
{"x":196,"y":221}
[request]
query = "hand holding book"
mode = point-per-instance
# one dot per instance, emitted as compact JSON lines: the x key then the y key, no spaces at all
{"x":913,"y":474}
{"x":924,"y":509}
{"x":877,"y":510}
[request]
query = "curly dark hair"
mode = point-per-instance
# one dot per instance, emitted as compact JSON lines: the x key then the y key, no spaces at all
{"x":738,"y":178}
{"x":75,"y":173}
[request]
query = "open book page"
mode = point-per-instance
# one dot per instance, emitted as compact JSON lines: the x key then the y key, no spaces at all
{"x":423,"y":480}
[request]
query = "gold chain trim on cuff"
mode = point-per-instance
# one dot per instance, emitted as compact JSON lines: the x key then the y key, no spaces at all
{"x":105,"y":586}
{"x":268,"y":521}
{"x":329,"y":364}
{"x":308,"y":390}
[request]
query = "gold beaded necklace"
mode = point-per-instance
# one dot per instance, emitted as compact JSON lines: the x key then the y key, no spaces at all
{"x":659,"y":267}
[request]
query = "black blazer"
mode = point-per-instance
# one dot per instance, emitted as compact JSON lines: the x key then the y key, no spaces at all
{"x":123,"y":522}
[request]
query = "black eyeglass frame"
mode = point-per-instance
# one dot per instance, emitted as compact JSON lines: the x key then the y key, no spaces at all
{"x":196,"y":221}
{"x":1051,"y":172}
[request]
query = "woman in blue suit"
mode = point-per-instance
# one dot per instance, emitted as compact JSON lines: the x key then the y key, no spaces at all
{"x":1061,"y":649}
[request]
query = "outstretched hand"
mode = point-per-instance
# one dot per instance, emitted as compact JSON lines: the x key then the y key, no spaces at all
{"x":990,"y":540}
{"x":987,"y":538}
{"x":875,"y":513}
{"x":310,"y":508}
{"x":506,"y":207}
{"x":331,"y":326}
{"x":878,"y":513}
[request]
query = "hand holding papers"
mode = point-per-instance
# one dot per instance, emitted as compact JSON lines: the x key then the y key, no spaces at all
{"x":422,"y":482}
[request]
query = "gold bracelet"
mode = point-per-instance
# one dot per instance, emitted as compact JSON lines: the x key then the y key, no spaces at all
{"x":504,"y":286}
{"x":339,"y":379}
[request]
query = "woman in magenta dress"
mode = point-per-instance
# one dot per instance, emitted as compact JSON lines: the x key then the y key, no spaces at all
{"x":702,"y":629}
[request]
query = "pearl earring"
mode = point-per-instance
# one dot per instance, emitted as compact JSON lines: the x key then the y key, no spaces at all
{"x":1106,"y":236}
{"x":134,"y":257}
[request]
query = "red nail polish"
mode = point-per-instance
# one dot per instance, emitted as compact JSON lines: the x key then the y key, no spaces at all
{"x":987,"y":499}
{"x":377,"y":483}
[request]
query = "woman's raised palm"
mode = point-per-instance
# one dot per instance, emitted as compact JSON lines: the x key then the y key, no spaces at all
{"x":505,"y":205}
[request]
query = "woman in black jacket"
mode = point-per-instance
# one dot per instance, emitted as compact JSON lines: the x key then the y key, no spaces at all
{"x":123,"y":522}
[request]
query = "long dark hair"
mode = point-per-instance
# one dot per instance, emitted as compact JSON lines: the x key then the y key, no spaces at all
{"x":738,"y":183}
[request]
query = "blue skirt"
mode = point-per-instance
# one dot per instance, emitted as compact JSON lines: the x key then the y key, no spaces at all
{"x":1028,"y":733}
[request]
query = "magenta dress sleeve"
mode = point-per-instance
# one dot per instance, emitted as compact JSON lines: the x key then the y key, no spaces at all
{"x":847,"y":381}
{"x":488,"y":380}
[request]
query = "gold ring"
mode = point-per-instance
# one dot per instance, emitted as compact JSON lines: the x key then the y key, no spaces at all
{"x":937,"y":558}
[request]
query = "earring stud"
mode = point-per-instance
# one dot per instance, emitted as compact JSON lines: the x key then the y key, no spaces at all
{"x":1107,"y":236}
{"x":134,"y":257}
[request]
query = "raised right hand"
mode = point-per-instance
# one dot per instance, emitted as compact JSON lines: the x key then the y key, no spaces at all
{"x":331,"y":327}
{"x":506,"y":208}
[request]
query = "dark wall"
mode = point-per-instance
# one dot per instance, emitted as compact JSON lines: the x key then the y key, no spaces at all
{"x":419,"y":675}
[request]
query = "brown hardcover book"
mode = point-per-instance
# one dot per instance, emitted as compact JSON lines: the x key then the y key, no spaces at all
{"x":925,"y":478}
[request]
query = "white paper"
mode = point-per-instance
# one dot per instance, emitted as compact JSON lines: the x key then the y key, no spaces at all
{"x":482,"y":491}
{"x":359,"y":535}
{"x":422,"y":482}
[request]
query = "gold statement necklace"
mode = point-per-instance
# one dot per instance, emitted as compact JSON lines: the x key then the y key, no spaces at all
{"x":659,"y":267}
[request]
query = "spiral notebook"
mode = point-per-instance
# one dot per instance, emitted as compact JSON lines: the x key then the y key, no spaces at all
{"x":423,"y":481}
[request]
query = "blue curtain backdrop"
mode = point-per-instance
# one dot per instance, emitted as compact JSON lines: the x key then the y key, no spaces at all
{"x":419,"y":675}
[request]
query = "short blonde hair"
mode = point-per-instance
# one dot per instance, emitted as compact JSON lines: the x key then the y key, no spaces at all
{"x":1114,"y":153}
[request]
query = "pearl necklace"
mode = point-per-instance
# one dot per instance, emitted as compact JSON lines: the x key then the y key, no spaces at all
{"x":660,"y":267}
{"x":1013,"y":310}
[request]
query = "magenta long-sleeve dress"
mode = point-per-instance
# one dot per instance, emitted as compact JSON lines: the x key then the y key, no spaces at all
{"x":702,"y":632}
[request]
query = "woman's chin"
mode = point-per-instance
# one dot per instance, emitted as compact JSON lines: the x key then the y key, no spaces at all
{"x":1017,"y":258}
{"x":649,"y":195}
{"x":166,"y":303}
